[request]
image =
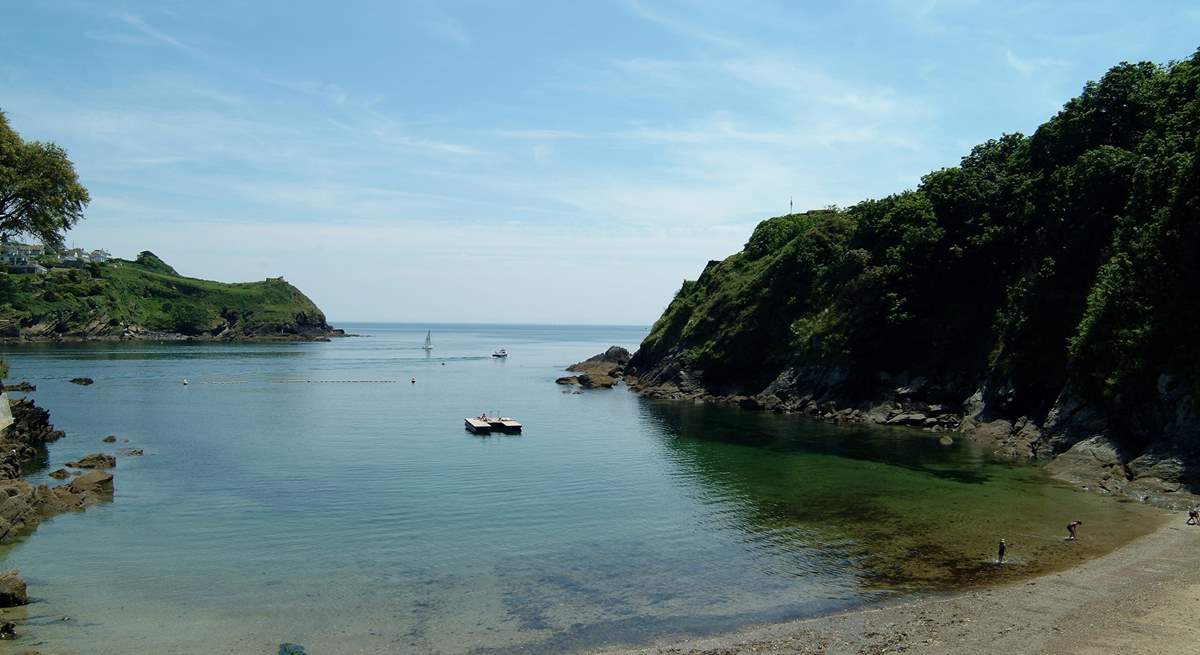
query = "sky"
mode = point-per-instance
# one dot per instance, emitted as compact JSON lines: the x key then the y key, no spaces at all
{"x":524,"y":162}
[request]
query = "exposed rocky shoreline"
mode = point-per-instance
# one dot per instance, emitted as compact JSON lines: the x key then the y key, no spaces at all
{"x":299,"y":332}
{"x":1142,"y":450}
{"x":23,"y":505}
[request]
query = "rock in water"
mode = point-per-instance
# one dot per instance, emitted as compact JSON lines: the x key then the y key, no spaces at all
{"x":132,"y":452}
{"x":569,"y":379}
{"x":94,"y":461}
{"x":291,"y":649}
{"x":112,"y":438}
{"x":97,"y":482}
{"x":8,"y":630}
{"x":60,"y":474}
{"x":82,"y":381}
{"x":12,"y":589}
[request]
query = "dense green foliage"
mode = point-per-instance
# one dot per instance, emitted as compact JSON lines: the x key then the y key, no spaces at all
{"x":40,"y":195}
{"x":104,"y":298}
{"x":1072,"y":255}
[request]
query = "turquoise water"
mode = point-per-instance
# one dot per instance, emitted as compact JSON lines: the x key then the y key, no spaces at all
{"x":310,"y":493}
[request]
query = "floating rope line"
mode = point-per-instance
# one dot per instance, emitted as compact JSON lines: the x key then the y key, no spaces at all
{"x":336,"y":381}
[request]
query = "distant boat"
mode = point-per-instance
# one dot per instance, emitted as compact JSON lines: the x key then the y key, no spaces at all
{"x":500,"y":354}
{"x":428,"y":342}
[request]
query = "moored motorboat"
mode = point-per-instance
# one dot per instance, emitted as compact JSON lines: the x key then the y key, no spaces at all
{"x":500,"y":354}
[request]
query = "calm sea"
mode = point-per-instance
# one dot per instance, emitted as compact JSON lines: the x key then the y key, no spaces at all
{"x":310,"y":493}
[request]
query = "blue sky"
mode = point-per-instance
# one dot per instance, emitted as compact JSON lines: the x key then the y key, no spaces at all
{"x":565,"y":162}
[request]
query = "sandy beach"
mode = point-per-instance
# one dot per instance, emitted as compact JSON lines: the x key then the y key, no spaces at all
{"x":1141,"y":598}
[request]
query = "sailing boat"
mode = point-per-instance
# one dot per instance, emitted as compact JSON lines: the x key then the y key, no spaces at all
{"x":428,"y":342}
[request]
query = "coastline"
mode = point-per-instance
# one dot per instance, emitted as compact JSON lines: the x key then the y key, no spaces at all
{"x":335,"y":333}
{"x":1138,"y":599}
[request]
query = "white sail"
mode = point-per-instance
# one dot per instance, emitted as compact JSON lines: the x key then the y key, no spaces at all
{"x":428,"y":341}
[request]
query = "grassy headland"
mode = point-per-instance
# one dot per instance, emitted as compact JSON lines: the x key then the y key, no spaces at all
{"x":146,"y":298}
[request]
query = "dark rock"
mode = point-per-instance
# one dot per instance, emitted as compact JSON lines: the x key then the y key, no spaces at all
{"x":112,"y":438}
{"x":913,"y":418}
{"x":20,"y":386}
{"x":94,"y":461}
{"x":597,"y":381}
{"x":8,"y":630}
{"x":615,"y":354}
{"x":569,"y":379}
{"x":12,"y":589}
{"x":82,"y":381}
{"x":60,"y":474}
{"x":608,"y":364}
{"x":291,"y":649}
{"x":132,"y":452}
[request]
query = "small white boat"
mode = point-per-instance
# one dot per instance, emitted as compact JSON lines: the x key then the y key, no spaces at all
{"x":428,"y":342}
{"x":500,"y":354}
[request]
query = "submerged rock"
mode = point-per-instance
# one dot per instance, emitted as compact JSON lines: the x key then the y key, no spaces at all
{"x":60,"y":474}
{"x":13,"y":592}
{"x":82,"y":381}
{"x":112,"y":438}
{"x":94,"y":461}
{"x":132,"y":452}
{"x":291,"y":649}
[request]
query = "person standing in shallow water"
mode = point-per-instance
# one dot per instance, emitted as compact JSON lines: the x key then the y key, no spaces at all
{"x":1000,"y":552}
{"x":1071,"y":529}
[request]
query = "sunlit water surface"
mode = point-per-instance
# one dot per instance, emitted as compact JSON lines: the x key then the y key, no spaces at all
{"x":310,"y":493}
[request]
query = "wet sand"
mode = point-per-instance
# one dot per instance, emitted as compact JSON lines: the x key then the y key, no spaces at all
{"x":1140,"y":599}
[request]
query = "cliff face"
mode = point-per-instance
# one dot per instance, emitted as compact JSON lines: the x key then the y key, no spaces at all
{"x":1043,"y":296}
{"x":147,"y":299}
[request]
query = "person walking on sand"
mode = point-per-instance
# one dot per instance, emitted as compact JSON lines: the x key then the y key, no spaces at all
{"x":1071,"y":529}
{"x":1193,"y":517}
{"x":1000,"y":552}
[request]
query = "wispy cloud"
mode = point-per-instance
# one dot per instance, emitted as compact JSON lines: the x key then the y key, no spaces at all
{"x":444,"y":27}
{"x":1027,"y":65}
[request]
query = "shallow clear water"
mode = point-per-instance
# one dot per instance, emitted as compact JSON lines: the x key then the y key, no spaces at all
{"x":310,"y":493}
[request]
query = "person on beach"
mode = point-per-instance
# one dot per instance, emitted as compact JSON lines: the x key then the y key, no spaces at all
{"x":1071,"y":529}
{"x":1193,"y":517}
{"x":1000,"y":552}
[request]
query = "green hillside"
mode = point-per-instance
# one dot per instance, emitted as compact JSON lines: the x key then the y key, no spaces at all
{"x":1066,"y":263}
{"x":146,"y":298}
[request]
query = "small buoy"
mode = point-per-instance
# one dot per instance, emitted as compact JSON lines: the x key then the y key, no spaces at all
{"x":185,"y":382}
{"x":443,"y":363}
{"x":414,"y":380}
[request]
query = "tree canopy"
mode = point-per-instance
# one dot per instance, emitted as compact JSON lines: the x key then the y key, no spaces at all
{"x":1071,"y":256}
{"x":40,"y":194}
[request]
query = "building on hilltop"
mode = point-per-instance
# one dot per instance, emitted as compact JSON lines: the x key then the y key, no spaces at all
{"x":28,"y":258}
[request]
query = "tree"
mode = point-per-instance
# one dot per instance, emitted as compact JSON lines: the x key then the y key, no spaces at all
{"x":40,"y":194}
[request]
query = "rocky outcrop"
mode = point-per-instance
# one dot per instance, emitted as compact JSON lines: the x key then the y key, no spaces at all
{"x":1147,"y":448}
{"x":23,"y":386}
{"x":24,"y":505}
{"x":13,"y":592}
{"x":601,"y":371}
{"x":82,"y":381}
{"x":94,"y":461}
